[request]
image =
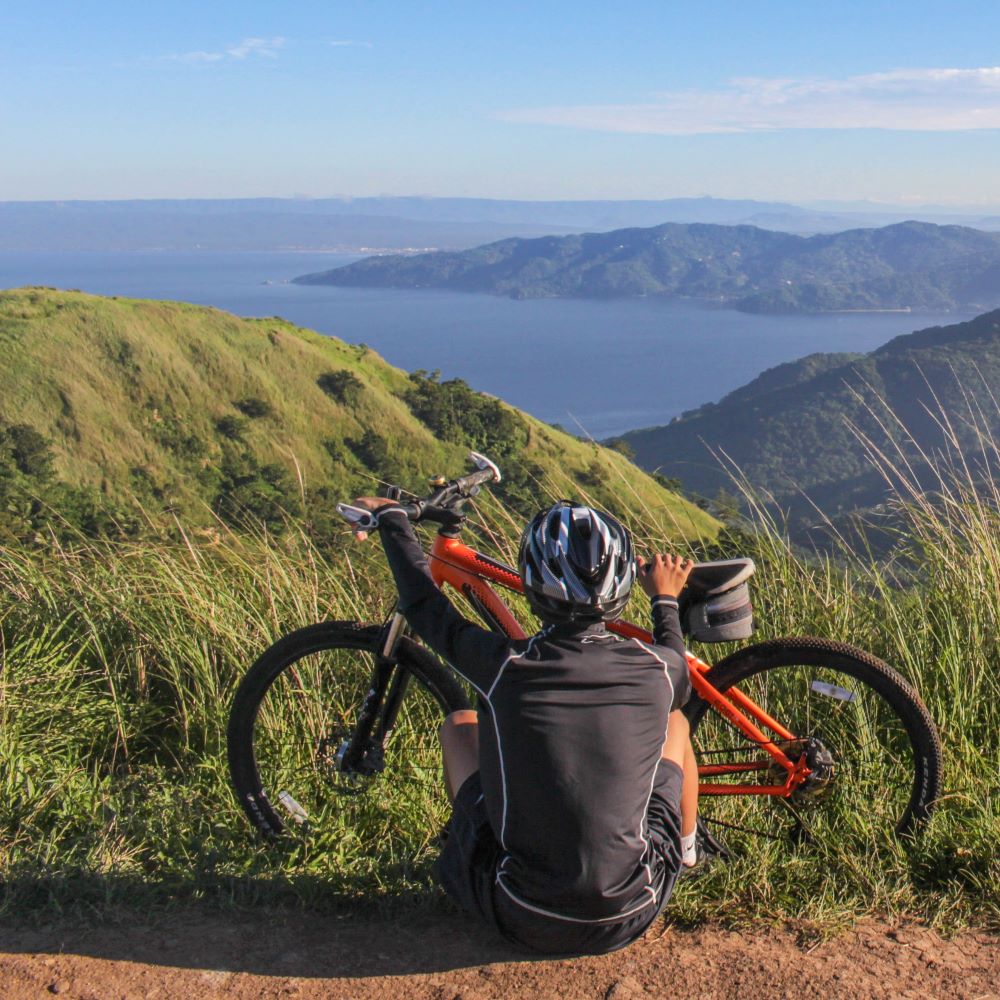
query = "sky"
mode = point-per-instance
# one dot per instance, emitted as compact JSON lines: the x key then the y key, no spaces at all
{"x":804,"y":101}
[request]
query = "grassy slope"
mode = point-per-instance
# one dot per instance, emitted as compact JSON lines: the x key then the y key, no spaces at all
{"x":105,"y":378}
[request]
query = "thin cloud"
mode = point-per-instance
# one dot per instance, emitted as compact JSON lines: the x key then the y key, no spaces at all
{"x":925,"y":100}
{"x":265,"y":48}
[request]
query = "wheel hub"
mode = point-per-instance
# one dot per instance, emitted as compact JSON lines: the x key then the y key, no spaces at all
{"x":348,"y":777}
{"x":818,"y":759}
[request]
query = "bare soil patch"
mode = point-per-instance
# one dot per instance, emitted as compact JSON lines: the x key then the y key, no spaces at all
{"x":207,"y":954}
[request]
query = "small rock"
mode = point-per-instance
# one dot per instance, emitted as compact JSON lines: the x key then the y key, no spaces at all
{"x":59,"y":986}
{"x":625,"y":988}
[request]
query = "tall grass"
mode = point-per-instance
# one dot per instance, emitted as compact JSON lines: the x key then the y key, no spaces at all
{"x":119,"y":662}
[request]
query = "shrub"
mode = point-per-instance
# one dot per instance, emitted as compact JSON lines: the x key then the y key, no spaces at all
{"x":373,"y":451}
{"x":622,"y":447}
{"x":343,"y":386}
{"x":250,"y":492}
{"x":254,"y":408}
{"x":27,"y":450}
{"x":232,"y":427}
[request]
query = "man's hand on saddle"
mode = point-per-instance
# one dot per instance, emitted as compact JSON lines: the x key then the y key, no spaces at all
{"x":664,"y":574}
{"x":369,"y":503}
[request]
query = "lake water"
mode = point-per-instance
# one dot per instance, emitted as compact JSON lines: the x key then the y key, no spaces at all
{"x":599,"y":367}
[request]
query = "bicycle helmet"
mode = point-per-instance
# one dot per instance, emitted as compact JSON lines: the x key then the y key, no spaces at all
{"x":576,"y":564}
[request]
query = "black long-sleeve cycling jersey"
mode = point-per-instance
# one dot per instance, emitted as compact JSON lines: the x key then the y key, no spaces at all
{"x":572,"y":725}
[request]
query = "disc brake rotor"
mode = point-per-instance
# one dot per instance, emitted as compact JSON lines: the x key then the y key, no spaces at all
{"x":821,"y":766}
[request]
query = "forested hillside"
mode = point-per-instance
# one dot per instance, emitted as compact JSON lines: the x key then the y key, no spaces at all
{"x":112,"y":410}
{"x":910,"y":265}
{"x":807,"y":432}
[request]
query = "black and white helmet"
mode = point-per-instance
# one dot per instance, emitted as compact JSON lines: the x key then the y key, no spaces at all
{"x":576,"y":564}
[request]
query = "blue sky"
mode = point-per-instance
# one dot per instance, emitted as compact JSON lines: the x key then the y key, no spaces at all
{"x":788,"y":101}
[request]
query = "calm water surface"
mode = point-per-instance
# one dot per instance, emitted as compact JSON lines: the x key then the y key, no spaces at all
{"x":599,"y":367}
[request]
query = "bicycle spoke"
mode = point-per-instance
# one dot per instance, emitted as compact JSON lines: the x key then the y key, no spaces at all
{"x":871,"y":773}
{"x":305,"y":721}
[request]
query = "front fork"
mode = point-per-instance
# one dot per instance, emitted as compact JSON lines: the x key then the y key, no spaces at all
{"x":363,"y":751}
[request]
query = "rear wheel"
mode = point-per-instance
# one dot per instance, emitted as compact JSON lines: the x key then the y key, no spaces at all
{"x":291,"y":722}
{"x":868,"y":739}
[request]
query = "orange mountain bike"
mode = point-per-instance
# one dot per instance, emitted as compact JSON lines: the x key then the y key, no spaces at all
{"x":332,"y":734}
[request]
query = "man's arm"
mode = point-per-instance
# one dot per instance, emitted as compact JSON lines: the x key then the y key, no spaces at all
{"x":663,"y":578}
{"x":474,"y":652}
{"x":667,"y":623}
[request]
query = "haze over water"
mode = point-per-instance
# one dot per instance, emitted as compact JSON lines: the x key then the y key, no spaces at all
{"x":600,"y":367}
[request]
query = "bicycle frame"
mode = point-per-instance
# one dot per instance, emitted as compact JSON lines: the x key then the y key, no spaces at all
{"x":468,"y":571}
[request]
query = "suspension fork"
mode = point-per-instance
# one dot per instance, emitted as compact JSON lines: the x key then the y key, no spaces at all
{"x":382,"y":702}
{"x":400,"y":678}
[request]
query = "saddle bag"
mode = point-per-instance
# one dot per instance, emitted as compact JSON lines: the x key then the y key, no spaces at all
{"x":715,"y":606}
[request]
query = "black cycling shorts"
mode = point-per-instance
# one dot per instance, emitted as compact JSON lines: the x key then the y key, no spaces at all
{"x":467,"y":868}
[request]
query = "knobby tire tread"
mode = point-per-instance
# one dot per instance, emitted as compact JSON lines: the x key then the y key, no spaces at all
{"x":814,"y":651}
{"x":426,"y":669}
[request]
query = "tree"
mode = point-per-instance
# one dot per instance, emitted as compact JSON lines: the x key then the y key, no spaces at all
{"x":456,"y":412}
{"x":622,"y":447}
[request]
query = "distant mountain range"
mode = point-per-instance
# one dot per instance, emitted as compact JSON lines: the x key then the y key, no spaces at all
{"x":908,"y":265}
{"x":794,"y":430}
{"x":407,"y":223}
{"x":236,"y":226}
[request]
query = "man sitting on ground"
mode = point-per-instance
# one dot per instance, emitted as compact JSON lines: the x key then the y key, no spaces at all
{"x":574,"y":785}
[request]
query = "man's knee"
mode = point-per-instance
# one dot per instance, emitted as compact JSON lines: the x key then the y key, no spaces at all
{"x":460,"y":746}
{"x":457,"y":722}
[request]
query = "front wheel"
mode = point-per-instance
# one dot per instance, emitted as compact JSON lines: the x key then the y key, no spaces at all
{"x":871,"y":744}
{"x":291,"y":722}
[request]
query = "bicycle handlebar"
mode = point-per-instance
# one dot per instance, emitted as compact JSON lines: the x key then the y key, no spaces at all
{"x":444,"y":505}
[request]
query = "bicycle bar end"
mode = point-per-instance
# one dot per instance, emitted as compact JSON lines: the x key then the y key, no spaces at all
{"x":482,"y":462}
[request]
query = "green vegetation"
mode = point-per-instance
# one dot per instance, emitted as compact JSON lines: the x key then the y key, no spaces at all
{"x":120,"y":660}
{"x":154,"y":409}
{"x":121,"y":642}
{"x":805,"y":432}
{"x":910,"y":265}
{"x":343,"y":386}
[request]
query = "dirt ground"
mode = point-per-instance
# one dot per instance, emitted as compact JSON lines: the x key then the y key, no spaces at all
{"x":201,"y":954}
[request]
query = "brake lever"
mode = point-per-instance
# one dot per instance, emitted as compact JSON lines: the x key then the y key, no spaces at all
{"x":358,"y":517}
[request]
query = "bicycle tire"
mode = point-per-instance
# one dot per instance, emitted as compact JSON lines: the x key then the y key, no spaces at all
{"x":889,"y":703}
{"x":352,"y":640}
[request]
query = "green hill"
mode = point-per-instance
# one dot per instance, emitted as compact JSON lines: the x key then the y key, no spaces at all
{"x":794,"y":430}
{"x":908,"y":265}
{"x":192,"y":410}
